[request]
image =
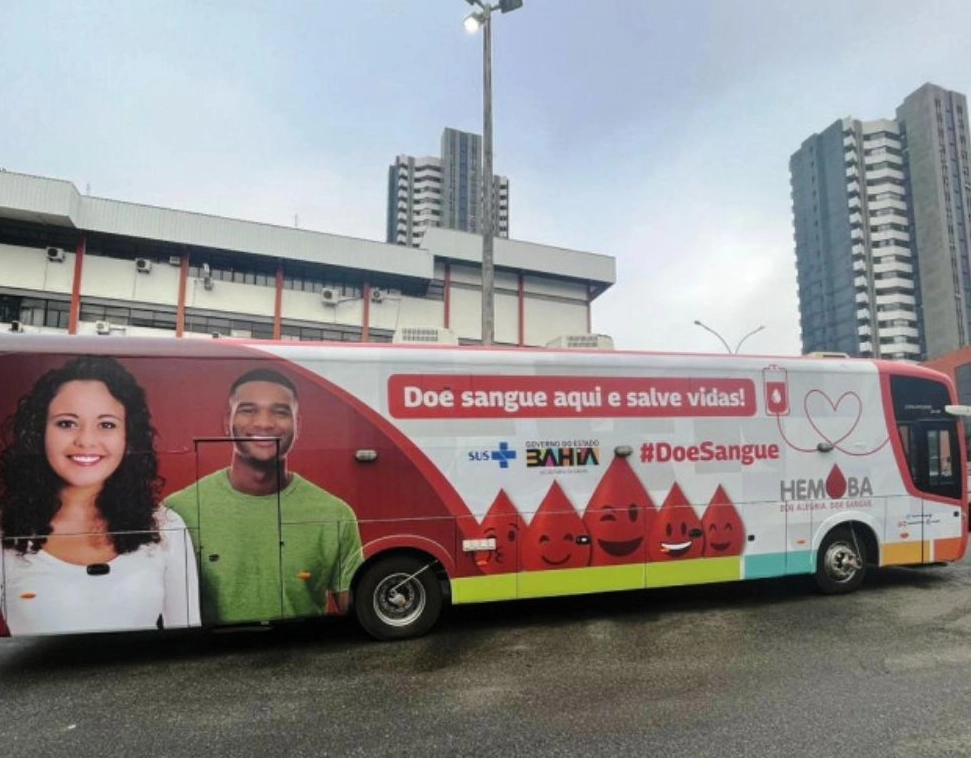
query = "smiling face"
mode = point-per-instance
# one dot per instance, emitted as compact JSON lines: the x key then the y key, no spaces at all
{"x":676,"y":533}
{"x":616,"y":531}
{"x":556,"y":537}
{"x":724,"y":530}
{"x":262,"y":409}
{"x":618,"y":517}
{"x":84,"y":438}
{"x":503,"y":524}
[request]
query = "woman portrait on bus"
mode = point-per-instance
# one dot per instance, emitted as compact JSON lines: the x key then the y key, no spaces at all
{"x":86,"y":544}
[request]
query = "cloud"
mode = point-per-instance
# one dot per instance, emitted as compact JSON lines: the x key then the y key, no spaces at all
{"x":656,"y":133}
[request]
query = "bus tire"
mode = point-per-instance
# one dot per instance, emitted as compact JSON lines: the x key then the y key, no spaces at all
{"x":398,"y":598}
{"x":840,"y":562}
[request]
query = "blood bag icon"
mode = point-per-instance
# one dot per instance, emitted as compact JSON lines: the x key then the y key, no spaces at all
{"x":776,"y":384}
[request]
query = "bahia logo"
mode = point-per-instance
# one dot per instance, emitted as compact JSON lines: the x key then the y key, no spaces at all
{"x":562,"y":457}
{"x":834,"y":487}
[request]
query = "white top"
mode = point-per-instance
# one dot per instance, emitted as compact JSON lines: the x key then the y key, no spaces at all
{"x":42,"y":594}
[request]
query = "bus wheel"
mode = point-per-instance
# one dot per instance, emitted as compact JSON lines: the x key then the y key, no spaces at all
{"x":840,"y":562}
{"x":398,"y":598}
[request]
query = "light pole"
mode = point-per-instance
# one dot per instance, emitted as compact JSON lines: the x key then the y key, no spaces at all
{"x":483,"y":18}
{"x":721,"y":339}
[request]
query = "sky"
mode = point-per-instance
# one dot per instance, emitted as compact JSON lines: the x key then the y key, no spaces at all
{"x":657,"y":132}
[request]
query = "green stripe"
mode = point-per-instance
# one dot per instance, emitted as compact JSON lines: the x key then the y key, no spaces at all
{"x":483,"y":589}
{"x":532,"y":584}
{"x":580,"y":581}
{"x":698,"y":571}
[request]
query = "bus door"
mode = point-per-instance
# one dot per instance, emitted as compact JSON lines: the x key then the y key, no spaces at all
{"x":932,"y":452}
{"x":238,"y":543}
{"x":941,"y":473}
{"x":934,"y":463}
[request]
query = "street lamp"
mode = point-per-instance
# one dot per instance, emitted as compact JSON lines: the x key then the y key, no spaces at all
{"x":721,"y":339}
{"x":482,"y":18}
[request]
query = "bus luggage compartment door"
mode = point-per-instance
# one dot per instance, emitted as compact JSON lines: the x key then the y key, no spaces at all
{"x":239,"y":543}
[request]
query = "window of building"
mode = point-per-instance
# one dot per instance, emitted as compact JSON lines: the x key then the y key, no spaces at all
{"x":35,"y":311}
{"x":124,"y":316}
{"x":242,"y":274}
{"x":227,"y":326}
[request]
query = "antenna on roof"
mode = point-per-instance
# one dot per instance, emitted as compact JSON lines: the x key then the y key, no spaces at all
{"x":296,"y":220}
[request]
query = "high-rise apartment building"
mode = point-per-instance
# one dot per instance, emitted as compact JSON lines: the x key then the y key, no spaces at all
{"x":881,"y":217}
{"x":857,"y":292}
{"x":935,"y":125}
{"x":414,"y":198}
{"x":444,"y":191}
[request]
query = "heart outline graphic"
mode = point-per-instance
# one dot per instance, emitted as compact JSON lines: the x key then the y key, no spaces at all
{"x":834,"y":406}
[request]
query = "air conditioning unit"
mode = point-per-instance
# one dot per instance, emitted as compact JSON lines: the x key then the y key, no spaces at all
{"x":143,"y":265}
{"x":102,"y":327}
{"x":582,"y":342}
{"x":377,"y":295}
{"x":207,"y":282}
{"x":329,"y":295}
{"x":55,"y":254}
{"x":427,"y":335}
{"x":16,"y":326}
{"x":175,"y":260}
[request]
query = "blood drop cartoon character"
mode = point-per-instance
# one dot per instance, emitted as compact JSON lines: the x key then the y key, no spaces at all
{"x":503,"y":524}
{"x":723,"y":527}
{"x":556,"y":537}
{"x":619,"y":516}
{"x":676,"y":533}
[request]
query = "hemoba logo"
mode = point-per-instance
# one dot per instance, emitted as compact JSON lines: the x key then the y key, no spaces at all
{"x":835,"y":486}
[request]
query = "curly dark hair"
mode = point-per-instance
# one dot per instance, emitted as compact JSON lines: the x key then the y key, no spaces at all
{"x":29,"y":488}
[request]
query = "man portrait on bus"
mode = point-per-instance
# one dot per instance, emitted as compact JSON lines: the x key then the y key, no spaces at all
{"x":274,"y":544}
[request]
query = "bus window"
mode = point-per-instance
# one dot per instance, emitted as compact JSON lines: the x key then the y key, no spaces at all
{"x":928,"y":436}
{"x":940,"y":467}
{"x":905,"y":433}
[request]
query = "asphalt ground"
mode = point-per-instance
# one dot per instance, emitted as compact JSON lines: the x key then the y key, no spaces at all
{"x":763,"y":668}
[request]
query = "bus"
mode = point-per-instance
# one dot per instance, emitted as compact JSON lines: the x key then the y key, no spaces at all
{"x":161,"y":483}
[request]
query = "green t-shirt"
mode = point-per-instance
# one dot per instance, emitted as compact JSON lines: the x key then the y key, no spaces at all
{"x":258,"y":561}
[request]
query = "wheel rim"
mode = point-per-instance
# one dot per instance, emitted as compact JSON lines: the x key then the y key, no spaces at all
{"x":399,"y":599}
{"x":841,"y":562}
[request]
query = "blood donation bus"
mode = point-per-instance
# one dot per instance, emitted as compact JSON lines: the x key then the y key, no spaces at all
{"x":161,"y":483}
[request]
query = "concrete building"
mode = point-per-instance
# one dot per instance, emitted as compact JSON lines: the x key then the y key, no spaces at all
{"x":77,"y":264}
{"x":443,"y":192}
{"x":935,"y":127}
{"x":957,"y":365}
{"x":869,"y":209}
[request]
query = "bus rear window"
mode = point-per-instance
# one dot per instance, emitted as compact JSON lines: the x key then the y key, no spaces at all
{"x":928,"y":436}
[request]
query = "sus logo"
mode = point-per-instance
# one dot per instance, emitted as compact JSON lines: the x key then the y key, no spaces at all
{"x":723,"y":527}
{"x":618,"y":516}
{"x":503,"y":524}
{"x":676,"y":533}
{"x":556,"y":537}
